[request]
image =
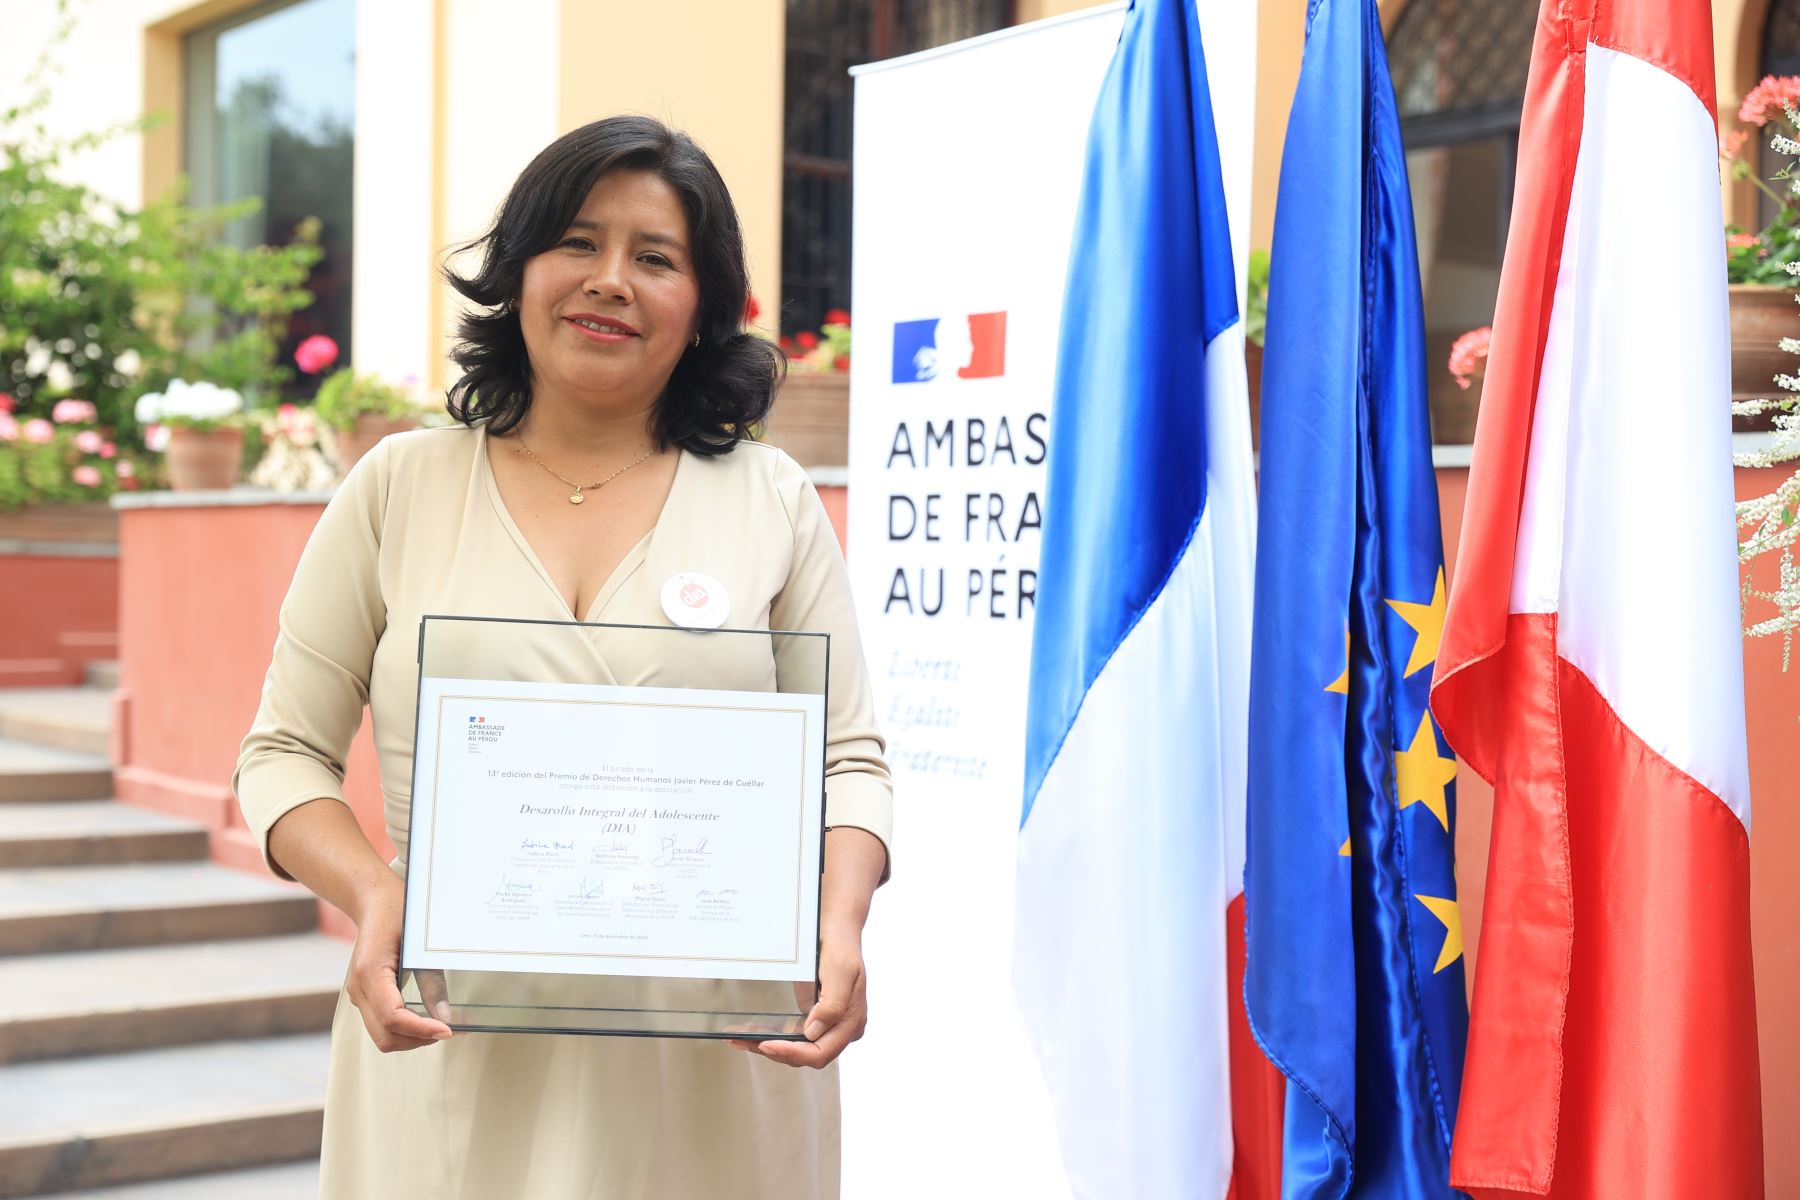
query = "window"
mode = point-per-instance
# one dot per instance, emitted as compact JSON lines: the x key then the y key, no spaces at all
{"x":1459,"y":70}
{"x":270,"y":104}
{"x":825,"y":38}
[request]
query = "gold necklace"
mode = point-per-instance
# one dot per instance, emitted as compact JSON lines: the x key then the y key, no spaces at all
{"x":577,"y":498}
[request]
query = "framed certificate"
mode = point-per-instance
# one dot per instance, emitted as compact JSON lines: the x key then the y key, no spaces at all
{"x":591,"y":857}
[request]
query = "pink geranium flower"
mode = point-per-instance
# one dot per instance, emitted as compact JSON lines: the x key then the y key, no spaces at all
{"x":125,"y":470}
{"x":86,"y":476}
{"x":74,"y":412}
{"x":1468,"y":356}
{"x":1732,"y":143}
{"x":107,"y":450}
{"x":1770,"y":99}
{"x":89,"y":441}
{"x":39,"y":430}
{"x":315,"y":354}
{"x":1740,"y":241}
{"x":9,"y":427}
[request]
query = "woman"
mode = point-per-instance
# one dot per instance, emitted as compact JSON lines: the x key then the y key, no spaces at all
{"x":604,"y":410}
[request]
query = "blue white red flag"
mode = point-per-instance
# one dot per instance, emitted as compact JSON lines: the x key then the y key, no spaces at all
{"x":1131,"y":847}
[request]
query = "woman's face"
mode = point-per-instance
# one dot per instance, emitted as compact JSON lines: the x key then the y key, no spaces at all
{"x":608,"y":310}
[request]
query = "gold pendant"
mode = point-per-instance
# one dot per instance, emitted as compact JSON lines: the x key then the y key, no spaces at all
{"x":576,"y":498}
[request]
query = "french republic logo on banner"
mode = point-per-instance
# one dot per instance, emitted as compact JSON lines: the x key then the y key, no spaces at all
{"x":968,"y":347}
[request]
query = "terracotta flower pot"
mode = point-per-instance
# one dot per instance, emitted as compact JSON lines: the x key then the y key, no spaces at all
{"x":360,"y":438}
{"x":1761,"y":315}
{"x":203,"y":459}
{"x":811,"y":418}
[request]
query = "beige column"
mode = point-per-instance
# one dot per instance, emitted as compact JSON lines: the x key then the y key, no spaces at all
{"x":713,"y":70}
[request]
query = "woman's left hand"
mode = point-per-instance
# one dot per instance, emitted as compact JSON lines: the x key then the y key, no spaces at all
{"x":839,"y":1017}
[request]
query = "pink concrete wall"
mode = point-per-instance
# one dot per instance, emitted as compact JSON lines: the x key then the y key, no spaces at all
{"x":1774,"y":699}
{"x":200,"y":590}
{"x":57,"y":614}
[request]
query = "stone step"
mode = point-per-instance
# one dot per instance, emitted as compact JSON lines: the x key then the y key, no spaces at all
{"x":290,"y":1181}
{"x":110,"y":1001}
{"x":152,"y":1114}
{"x":55,"y":909}
{"x":36,"y":773}
{"x":75,"y":718}
{"x":102,"y":674}
{"x":70,"y":833}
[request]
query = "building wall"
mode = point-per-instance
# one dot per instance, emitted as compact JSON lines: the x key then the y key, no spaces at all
{"x":720,"y":79}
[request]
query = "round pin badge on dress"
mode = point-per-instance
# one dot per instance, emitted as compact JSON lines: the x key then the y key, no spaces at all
{"x":695,"y":601}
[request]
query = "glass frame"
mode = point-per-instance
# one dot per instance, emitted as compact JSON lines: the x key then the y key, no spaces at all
{"x":610,"y":993}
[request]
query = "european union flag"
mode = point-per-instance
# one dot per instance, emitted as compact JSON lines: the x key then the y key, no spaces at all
{"x":1355,"y":978}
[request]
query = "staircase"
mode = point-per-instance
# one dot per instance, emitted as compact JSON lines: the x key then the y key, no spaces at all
{"x":163,"y":1021}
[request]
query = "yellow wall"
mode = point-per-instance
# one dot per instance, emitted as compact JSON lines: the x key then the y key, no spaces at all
{"x":1037,"y":10}
{"x":713,"y":70}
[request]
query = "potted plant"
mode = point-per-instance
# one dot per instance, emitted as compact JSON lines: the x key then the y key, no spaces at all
{"x":294,"y":458}
{"x":199,"y":429}
{"x":811,"y":416}
{"x":1761,"y":286}
{"x":56,"y":473}
{"x":363,"y":409}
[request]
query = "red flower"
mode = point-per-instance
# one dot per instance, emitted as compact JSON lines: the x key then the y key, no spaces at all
{"x":7,"y":403}
{"x":841,"y":363}
{"x":807,"y":339}
{"x":1468,"y":357}
{"x":315,"y":354}
{"x":752,"y":310}
{"x":1770,"y":99}
{"x":787,"y":343}
{"x":837,"y":316}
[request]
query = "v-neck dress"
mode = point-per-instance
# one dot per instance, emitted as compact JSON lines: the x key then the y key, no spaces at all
{"x":419,"y":527}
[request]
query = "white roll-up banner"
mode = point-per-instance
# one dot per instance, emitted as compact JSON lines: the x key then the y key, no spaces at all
{"x":968,"y":165}
{"x":968,"y":168}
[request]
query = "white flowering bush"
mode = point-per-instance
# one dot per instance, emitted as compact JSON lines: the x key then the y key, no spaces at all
{"x":300,"y":452}
{"x":1771,"y":523}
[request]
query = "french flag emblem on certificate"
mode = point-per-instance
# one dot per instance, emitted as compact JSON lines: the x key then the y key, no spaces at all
{"x":960,"y":347}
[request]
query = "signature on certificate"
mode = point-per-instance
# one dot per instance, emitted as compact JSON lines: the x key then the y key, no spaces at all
{"x":673,"y":851}
{"x":513,"y":889}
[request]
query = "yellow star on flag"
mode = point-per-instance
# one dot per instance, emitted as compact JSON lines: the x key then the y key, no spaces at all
{"x":1344,"y":850}
{"x":1428,"y":620}
{"x":1341,"y":685}
{"x":1421,"y":774}
{"x":1447,"y":912}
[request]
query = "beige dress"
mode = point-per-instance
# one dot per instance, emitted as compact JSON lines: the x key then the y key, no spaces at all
{"x":419,"y":527}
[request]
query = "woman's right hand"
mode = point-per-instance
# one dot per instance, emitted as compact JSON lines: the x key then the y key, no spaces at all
{"x":374,"y":980}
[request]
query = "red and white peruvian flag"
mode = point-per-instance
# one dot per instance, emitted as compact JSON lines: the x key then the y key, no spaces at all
{"x":1591,"y":665}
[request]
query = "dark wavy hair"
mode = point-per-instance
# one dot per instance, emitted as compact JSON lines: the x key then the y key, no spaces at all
{"x":719,"y":389}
